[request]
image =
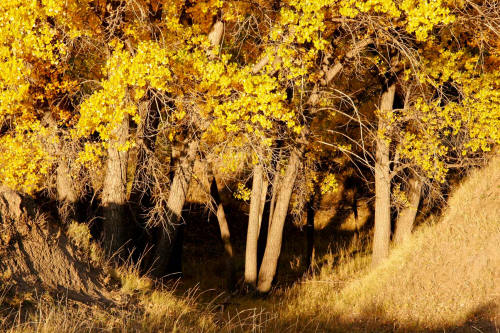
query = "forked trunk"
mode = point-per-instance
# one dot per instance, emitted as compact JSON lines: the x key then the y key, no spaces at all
{"x":406,"y":217}
{"x":382,"y":233}
{"x":176,"y":199}
{"x":275,"y":235}
{"x":172,"y":239}
{"x":278,"y":210}
{"x":114,"y":192}
{"x":254,"y":225}
{"x":274,"y":193}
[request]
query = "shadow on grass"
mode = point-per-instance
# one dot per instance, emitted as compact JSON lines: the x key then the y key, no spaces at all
{"x":481,"y":319}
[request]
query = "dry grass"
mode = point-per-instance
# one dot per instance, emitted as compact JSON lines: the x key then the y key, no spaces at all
{"x":159,"y":311}
{"x":447,"y":275}
{"x":137,"y":307}
{"x":136,"y":304}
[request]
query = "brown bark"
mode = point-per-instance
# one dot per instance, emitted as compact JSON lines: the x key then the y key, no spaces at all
{"x":279,"y":210}
{"x":215,"y":35}
{"x":66,"y":194}
{"x":275,"y":235}
{"x":169,"y":240}
{"x":382,"y":231}
{"x":224,"y":232}
{"x":65,"y":190}
{"x":406,"y":217}
{"x":64,"y":184}
{"x":275,"y":188}
{"x":114,"y":192}
{"x":175,"y":203}
{"x":254,"y":225}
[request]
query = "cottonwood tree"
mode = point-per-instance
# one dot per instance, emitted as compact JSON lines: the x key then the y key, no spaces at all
{"x":177,"y":80}
{"x":418,"y":30}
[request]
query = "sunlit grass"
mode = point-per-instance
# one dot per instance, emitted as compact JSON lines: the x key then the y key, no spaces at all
{"x":447,"y":275}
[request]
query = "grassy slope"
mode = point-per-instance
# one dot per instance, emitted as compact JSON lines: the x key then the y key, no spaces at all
{"x":446,"y":275}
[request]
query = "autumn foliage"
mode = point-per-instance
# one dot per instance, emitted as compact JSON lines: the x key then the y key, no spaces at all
{"x":117,"y":100}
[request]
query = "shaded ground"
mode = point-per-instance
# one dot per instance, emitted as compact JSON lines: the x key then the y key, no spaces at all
{"x":37,"y":256}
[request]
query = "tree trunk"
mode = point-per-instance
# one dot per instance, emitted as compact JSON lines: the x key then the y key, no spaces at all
{"x":114,"y":193}
{"x":170,"y":241}
{"x":140,"y":200}
{"x":224,"y":232}
{"x":275,"y":235}
{"x":275,"y":188}
{"x":64,"y":184}
{"x":253,"y":226}
{"x":406,"y":217}
{"x":66,"y":194}
{"x":268,"y":203}
{"x":175,"y":203}
{"x":382,"y":231}
{"x":146,"y":142}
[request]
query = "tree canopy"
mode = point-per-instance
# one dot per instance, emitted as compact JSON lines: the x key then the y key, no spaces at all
{"x":285,"y":85}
